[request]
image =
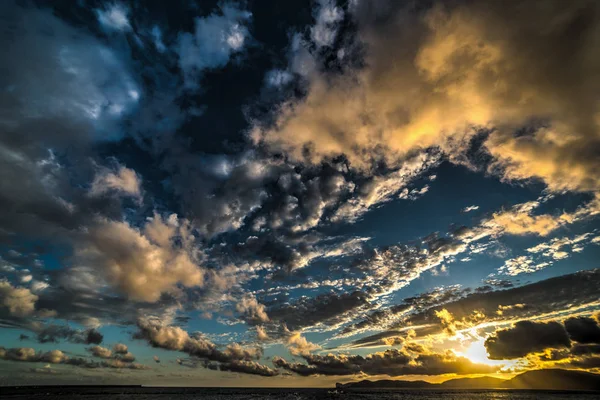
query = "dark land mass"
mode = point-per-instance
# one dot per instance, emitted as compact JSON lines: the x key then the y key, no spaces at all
{"x":547,"y":379}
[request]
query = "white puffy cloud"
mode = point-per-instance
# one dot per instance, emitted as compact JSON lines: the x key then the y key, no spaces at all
{"x":261,"y":334}
{"x":253,"y":311}
{"x":20,"y":302}
{"x":120,"y":348}
{"x":298,"y":344}
{"x":101,"y":352}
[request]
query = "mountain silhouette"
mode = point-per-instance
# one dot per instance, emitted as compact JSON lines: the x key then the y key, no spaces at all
{"x":550,"y":379}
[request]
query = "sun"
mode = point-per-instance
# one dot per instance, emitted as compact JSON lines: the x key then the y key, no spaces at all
{"x":477,"y":353}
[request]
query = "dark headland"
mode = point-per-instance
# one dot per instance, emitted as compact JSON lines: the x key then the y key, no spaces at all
{"x":548,"y":379}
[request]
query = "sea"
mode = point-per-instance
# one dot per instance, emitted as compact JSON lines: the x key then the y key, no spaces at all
{"x":150,"y":393}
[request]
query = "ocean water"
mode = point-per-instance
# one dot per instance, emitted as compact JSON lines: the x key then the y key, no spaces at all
{"x":287,"y":394}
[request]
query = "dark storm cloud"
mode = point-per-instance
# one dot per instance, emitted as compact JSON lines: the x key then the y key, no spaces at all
{"x":585,"y":349}
{"x":583,"y":329}
{"x":526,"y":337}
{"x":56,"y":333}
{"x":391,"y":362}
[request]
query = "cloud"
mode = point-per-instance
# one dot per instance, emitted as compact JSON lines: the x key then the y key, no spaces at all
{"x":124,"y":181}
{"x":114,"y":17}
{"x":545,"y":254}
{"x":327,"y":16}
{"x":521,"y":265}
{"x":54,"y":333}
{"x":101,"y":352}
{"x":435,"y":78}
{"x":68,"y":87}
{"x":548,"y":296}
{"x":583,"y":329}
{"x":254,"y":312}
{"x":298,"y":345}
{"x":325,"y":308}
{"x":470,"y":208}
{"x":120,"y":348}
{"x":232,"y":358}
{"x":261,"y":334}
{"x":157,"y":36}
{"x":143,"y":264}
{"x":215,"y":39}
{"x":27,"y":354}
{"x":391,"y":362}
{"x":20,"y":302}
{"x":526,"y":337}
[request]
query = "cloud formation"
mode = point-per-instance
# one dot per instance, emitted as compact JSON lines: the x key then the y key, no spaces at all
{"x":459,"y":69}
{"x":390,"y":362}
{"x":216,"y":38}
{"x":526,"y":337}
{"x":232,"y":358}
{"x":143,"y":264}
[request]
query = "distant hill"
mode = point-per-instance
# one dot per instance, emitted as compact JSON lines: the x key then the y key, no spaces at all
{"x":387,"y":384}
{"x":553,"y":379}
{"x":474,"y":383}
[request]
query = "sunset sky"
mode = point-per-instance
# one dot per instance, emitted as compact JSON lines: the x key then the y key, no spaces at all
{"x":298,"y":193}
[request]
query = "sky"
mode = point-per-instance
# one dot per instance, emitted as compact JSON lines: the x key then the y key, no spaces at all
{"x":297,"y":193}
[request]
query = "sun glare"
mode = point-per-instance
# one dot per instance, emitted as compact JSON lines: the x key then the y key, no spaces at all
{"x":477,"y":353}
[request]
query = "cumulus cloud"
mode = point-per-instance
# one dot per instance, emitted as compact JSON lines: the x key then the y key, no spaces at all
{"x":124,"y":181}
{"x":298,"y":345}
{"x":458,"y":70}
{"x":233,"y":358}
{"x":252,"y":310}
{"x":526,"y":337}
{"x":19,"y":302}
{"x":27,"y":354}
{"x":143,"y":264}
{"x":120,"y":348}
{"x":574,"y":342}
{"x":215,"y":39}
{"x":261,"y":334}
{"x":118,"y":356}
{"x":583,"y":329}
{"x":101,"y":352}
